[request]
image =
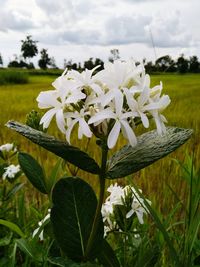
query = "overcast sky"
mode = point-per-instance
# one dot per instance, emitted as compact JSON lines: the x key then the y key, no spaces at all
{"x":80,"y":29}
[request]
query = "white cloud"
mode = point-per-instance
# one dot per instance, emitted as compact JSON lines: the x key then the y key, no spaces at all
{"x":12,"y":20}
{"x":80,"y":25}
{"x":126,"y":30}
{"x":168,"y":31}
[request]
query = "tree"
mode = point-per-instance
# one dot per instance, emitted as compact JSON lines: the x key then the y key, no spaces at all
{"x":70,"y":65}
{"x":194,"y":65}
{"x":100,"y":63}
{"x":29,"y":48}
{"x":182,"y":64}
{"x":149,"y":66}
{"x":53,"y":63}
{"x":45,"y":59}
{"x":114,"y":55}
{"x":1,"y":60}
{"x":89,"y":64}
{"x":165,"y":63}
{"x":92,"y":63}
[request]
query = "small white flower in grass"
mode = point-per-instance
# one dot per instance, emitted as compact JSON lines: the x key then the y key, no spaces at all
{"x":138,"y":210}
{"x":40,"y":224}
{"x":11,"y":171}
{"x":107,"y":211}
{"x":116,"y":194}
{"x":8,"y":148}
{"x":137,"y":206}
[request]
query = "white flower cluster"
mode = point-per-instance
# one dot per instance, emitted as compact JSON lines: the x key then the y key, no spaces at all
{"x":11,"y":171}
{"x":105,"y":103}
{"x":118,"y":196}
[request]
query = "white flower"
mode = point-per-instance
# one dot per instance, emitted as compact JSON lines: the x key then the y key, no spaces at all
{"x":107,"y":103}
{"x":78,"y":117}
{"x":121,"y":122}
{"x":137,"y":206}
{"x":57,"y":101}
{"x":161,"y":103}
{"x":40,"y":223}
{"x":117,"y":75}
{"x":11,"y":171}
{"x":84,"y":78}
{"x":137,"y":209}
{"x":142,"y":82}
{"x":116,"y":194}
{"x":8,"y":148}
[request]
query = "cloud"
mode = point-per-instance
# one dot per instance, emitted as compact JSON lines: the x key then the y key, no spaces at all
{"x":169,"y":31}
{"x":76,"y":36}
{"x":13,"y":20}
{"x":142,"y":1}
{"x":126,"y":29}
{"x":105,"y":23}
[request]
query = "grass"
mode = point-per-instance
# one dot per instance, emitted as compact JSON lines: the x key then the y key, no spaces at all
{"x":162,"y":182}
{"x":13,"y":77}
{"x":17,"y":100}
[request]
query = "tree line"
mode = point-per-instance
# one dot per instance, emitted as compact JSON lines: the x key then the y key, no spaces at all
{"x":165,"y":63}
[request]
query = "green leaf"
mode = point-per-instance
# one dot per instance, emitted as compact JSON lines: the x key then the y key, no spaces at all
{"x":15,"y":228}
{"x":72,"y":215}
{"x":4,"y":241}
{"x":107,"y":256}
{"x":14,"y":190}
{"x":2,"y":168}
{"x":160,"y":226}
{"x":54,"y":175}
{"x":62,"y":149}
{"x":64,"y":262}
{"x":33,"y":171}
{"x":32,"y":250}
{"x":150,"y":148}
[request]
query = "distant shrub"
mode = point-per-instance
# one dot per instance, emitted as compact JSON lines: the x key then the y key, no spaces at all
{"x":21,"y":64}
{"x":13,"y":77}
{"x":49,"y":72}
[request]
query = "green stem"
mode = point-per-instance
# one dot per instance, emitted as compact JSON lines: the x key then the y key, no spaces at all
{"x":96,"y":221}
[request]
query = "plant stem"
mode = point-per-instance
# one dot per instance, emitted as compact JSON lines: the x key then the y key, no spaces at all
{"x":97,"y":216}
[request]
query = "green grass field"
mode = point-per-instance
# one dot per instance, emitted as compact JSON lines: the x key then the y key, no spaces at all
{"x":184,"y":111}
{"x":172,"y":227}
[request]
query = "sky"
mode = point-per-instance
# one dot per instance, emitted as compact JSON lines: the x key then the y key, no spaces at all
{"x":80,"y":29}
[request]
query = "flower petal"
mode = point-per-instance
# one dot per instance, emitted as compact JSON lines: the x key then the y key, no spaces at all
{"x":83,"y":126}
{"x":129,"y":133}
{"x":144,"y":119}
{"x":60,"y":120}
{"x":48,"y":99}
{"x":102,"y":115}
{"x":129,"y":214}
{"x":118,"y":102}
{"x":69,"y":129}
{"x":46,"y":119}
{"x":113,"y":135}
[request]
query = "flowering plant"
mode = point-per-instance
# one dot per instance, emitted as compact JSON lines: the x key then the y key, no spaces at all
{"x":7,"y":169}
{"x":116,"y":98}
{"x":101,"y":104}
